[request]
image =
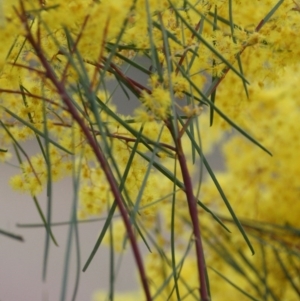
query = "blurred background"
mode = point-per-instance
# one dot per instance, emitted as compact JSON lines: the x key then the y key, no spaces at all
{"x":21,"y":263}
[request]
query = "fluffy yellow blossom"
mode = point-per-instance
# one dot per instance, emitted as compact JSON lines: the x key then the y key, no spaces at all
{"x":55,"y":61}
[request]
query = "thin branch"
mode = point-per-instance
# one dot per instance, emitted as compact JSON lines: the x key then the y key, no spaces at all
{"x":96,"y":148}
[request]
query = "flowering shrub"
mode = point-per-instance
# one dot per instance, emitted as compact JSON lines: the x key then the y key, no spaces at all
{"x":212,"y":66}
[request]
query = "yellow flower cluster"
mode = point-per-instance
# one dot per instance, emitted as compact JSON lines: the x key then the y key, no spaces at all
{"x":158,"y":102}
{"x":95,"y":194}
{"x":55,"y":58}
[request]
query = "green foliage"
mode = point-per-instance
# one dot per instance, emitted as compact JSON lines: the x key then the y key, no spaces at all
{"x":218,"y":72}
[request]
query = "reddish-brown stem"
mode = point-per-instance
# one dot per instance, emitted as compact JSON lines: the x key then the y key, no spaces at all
{"x":190,"y":196}
{"x":192,"y":204}
{"x":260,"y":24}
{"x":33,"y":96}
{"x":184,"y":127}
{"x":41,"y":73}
{"x":130,"y":81}
{"x":136,"y":86}
{"x":96,"y":148}
{"x":128,"y":139}
{"x":116,"y":136}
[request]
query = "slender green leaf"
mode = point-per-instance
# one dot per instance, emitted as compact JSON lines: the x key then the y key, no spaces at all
{"x":218,"y":186}
{"x":101,"y":236}
{"x":214,"y":92}
{"x":153,"y":51}
{"x":287,"y":273}
{"x":73,"y":231}
{"x":269,"y":15}
{"x":36,"y":131}
{"x":43,"y":218}
{"x":234,"y":285}
{"x":11,"y":235}
{"x":113,"y":208}
{"x":178,"y":183}
{"x":173,"y":247}
{"x":238,"y":57}
{"x":224,"y":116}
{"x":210,"y":47}
{"x":49,"y":192}
{"x":167,"y":51}
{"x":22,"y":88}
{"x":222,"y":194}
{"x":133,"y":63}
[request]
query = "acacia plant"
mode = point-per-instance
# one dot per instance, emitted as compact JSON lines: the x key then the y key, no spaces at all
{"x":218,"y":71}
